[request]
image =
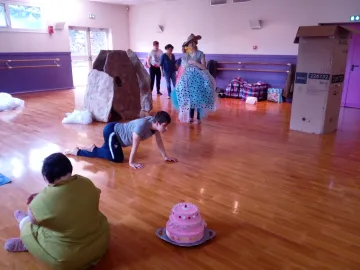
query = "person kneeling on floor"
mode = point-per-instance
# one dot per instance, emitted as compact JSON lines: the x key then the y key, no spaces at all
{"x":118,"y":135}
{"x":63,"y":226}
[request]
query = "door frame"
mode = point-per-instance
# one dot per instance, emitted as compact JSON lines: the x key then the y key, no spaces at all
{"x":348,"y":74}
{"x":89,"y":58}
{"x":88,"y":44}
{"x":348,"y":64}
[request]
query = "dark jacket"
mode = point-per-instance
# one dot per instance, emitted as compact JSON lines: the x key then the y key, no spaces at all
{"x":211,"y":66}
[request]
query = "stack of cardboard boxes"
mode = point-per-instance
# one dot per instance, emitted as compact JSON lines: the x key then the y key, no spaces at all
{"x":320,"y":72}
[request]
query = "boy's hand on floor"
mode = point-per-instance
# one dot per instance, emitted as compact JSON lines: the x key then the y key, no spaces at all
{"x":32,"y":196}
{"x":136,"y":165}
{"x":170,"y":159}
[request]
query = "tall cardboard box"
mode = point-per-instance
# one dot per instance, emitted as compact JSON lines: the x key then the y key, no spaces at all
{"x":320,"y":71}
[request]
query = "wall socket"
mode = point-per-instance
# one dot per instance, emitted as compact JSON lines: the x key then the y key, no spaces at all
{"x":92,"y":16}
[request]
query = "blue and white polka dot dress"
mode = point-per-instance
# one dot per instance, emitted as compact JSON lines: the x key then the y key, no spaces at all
{"x":194,"y":90}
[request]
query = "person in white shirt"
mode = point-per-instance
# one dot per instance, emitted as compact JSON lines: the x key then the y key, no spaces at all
{"x":153,"y":63}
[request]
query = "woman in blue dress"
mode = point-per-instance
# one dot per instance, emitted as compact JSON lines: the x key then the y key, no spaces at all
{"x":195,"y":90}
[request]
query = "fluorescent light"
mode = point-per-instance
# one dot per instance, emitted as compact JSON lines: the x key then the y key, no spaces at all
{"x":355,"y":18}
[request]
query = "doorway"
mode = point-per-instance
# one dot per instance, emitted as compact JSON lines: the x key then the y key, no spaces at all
{"x":351,"y":94}
{"x":351,"y":90}
{"x":85,"y":45}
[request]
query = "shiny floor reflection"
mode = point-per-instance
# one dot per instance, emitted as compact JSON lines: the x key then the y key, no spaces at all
{"x":277,"y":199}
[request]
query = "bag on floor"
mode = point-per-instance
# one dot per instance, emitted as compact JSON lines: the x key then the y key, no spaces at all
{"x":8,"y":103}
{"x":251,"y":100}
{"x":275,"y":95}
{"x":78,"y":117}
{"x":258,"y":90}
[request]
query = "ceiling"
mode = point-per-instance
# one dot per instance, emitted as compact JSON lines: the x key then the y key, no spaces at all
{"x":131,"y":2}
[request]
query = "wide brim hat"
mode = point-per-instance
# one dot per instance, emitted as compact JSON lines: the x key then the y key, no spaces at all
{"x":191,"y":38}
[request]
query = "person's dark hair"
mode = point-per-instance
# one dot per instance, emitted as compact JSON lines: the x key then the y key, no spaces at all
{"x":56,"y":166}
{"x":156,"y":43}
{"x":162,"y":117}
{"x":169,"y":46}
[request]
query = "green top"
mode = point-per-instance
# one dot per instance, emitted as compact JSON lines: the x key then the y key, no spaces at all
{"x":71,"y":227}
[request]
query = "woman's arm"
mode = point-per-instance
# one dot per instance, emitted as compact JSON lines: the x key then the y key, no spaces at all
{"x":162,"y":65}
{"x":30,"y":199}
{"x":135,"y":146}
{"x":148,"y":60}
{"x":32,"y":218}
{"x":203,"y":62}
{"x":201,"y":66}
{"x":178,"y":63}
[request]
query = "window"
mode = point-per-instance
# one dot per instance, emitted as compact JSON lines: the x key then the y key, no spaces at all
{"x":21,"y":16}
{"x":98,"y":41}
{"x":2,"y":16}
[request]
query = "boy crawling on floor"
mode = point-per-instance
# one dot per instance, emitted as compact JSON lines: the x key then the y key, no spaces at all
{"x":118,"y":135}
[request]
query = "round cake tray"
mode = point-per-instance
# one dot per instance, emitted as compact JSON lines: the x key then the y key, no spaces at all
{"x":208,"y":235}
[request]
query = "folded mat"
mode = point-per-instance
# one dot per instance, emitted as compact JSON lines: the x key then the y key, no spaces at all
{"x":4,"y":180}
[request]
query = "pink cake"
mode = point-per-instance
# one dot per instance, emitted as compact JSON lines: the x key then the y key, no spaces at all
{"x":185,"y":224}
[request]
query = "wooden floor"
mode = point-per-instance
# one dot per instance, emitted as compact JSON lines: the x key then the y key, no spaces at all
{"x":277,"y":199}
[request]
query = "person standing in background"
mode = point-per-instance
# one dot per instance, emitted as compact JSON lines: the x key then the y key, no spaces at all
{"x":153,"y":63}
{"x":168,"y":68}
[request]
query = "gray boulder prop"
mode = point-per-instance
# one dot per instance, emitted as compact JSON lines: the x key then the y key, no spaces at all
{"x":144,"y":82}
{"x":120,"y":95}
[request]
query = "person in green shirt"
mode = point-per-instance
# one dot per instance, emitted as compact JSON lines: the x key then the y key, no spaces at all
{"x":63,"y":227}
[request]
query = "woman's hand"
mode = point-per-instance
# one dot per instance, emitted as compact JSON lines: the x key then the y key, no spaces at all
{"x":170,"y":159}
{"x":196,"y":64}
{"x":32,"y":196}
{"x":136,"y":165}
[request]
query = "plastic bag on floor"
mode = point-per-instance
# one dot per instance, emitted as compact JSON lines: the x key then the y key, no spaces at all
{"x":251,"y":100}
{"x":78,"y":117}
{"x":7,"y":102}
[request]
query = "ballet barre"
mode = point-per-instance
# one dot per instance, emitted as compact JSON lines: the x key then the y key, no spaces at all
{"x":30,"y":60}
{"x":254,"y":70}
{"x":255,"y":63}
{"x":9,"y":62}
{"x":18,"y":67}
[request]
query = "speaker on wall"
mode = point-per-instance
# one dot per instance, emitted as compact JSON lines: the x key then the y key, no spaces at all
{"x":255,"y":24}
{"x":160,"y":29}
{"x":59,"y":26}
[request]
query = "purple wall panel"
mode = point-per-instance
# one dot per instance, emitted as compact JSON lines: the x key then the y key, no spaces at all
{"x":35,"y":79}
{"x":50,"y":78}
{"x":224,"y":77}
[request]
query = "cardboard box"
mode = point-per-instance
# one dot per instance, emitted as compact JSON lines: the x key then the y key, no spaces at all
{"x":319,"y":78}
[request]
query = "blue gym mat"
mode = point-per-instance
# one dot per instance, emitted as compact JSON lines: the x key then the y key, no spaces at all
{"x":4,"y":180}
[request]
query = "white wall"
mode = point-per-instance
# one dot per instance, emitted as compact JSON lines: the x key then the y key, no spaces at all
{"x":225,"y":29}
{"x":74,"y":13}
